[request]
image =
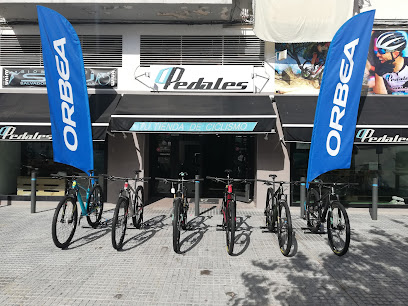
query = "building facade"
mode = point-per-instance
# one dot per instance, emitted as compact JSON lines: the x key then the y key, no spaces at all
{"x":182,"y":87}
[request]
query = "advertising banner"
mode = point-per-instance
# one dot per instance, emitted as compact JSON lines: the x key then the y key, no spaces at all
{"x":339,"y":98}
{"x":302,"y":71}
{"x":67,"y":92}
{"x":386,"y":71}
{"x":35,"y":77}
{"x":198,"y":78}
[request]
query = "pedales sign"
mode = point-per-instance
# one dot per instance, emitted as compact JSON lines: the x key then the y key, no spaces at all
{"x":35,"y":77}
{"x":197,"y":78}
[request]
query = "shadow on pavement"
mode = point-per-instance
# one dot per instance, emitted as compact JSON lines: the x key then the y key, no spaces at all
{"x":149,"y":229}
{"x":199,"y":228}
{"x":95,"y":234}
{"x":372,"y":272}
{"x":242,"y":236}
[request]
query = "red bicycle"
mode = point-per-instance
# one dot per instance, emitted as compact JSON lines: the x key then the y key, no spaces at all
{"x":229,"y":208}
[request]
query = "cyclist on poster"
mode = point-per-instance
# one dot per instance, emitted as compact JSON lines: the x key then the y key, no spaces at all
{"x":391,"y":67}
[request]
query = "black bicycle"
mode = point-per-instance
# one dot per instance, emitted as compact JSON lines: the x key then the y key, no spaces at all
{"x":131,"y":200}
{"x":322,"y":202}
{"x":180,"y":206}
{"x":277,"y":213}
{"x":229,"y":208}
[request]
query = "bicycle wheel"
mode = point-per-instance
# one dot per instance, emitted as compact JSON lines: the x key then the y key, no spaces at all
{"x":338,"y":228}
{"x":313,"y":210}
{"x":94,"y":205}
{"x":269,"y":210}
{"x":138,"y":204}
{"x":230,"y":226}
{"x":119,"y":223}
{"x":176,"y":224}
{"x":284,"y":227}
{"x":64,"y":222}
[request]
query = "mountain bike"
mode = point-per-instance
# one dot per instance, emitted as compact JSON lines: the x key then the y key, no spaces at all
{"x":323,"y":205}
{"x":180,"y":206}
{"x":229,"y":208}
{"x":127,"y":195}
{"x":65,"y":218}
{"x":277,"y":213}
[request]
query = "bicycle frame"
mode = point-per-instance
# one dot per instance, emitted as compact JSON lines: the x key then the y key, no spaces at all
{"x":77,"y":187}
{"x":228,"y":196}
{"x":326,"y":204}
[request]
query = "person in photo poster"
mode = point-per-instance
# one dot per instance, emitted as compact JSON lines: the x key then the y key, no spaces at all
{"x":389,"y":65}
{"x":319,"y":54}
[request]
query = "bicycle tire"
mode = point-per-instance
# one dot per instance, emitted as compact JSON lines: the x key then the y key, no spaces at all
{"x":176,"y":224}
{"x":138,"y":204}
{"x":284,"y":228}
{"x":119,"y":223}
{"x":313,"y":210}
{"x":94,"y":205}
{"x":269,"y":210}
{"x":62,"y":237}
{"x":338,"y":223}
{"x":231,"y":224}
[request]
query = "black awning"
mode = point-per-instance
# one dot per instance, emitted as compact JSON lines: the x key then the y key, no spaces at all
{"x":381,"y":119}
{"x":194,"y":114}
{"x":26,"y":117}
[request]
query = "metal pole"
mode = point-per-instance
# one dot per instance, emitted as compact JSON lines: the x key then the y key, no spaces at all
{"x":374,"y":206}
{"x":33,"y":189}
{"x":197,"y":196}
{"x":302,"y":196}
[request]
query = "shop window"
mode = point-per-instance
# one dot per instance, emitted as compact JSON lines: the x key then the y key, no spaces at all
{"x":387,"y":162}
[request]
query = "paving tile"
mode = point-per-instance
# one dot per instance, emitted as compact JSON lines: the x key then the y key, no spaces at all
{"x":147,"y":271}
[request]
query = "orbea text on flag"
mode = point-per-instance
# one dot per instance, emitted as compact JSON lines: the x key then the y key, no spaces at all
{"x":339,"y":97}
{"x":67,"y":91}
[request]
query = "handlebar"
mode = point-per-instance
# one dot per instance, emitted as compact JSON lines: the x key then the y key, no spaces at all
{"x":333,"y":184}
{"x":167,"y":180}
{"x":226,"y":180}
{"x":269,"y":182}
{"x":114,"y":178}
{"x":60,"y":177}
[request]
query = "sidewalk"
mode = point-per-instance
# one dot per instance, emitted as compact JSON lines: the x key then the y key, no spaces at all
{"x":147,"y":272}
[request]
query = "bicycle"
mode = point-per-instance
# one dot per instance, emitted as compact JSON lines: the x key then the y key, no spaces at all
{"x":321,"y":203}
{"x":180,"y":206}
{"x":229,"y":208}
{"x":277,"y":214}
{"x":128,"y":194}
{"x":311,"y":72}
{"x":65,"y":218}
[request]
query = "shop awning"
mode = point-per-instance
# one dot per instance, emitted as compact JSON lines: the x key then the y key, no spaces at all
{"x":381,"y":120}
{"x":194,"y":114}
{"x":26,"y":117}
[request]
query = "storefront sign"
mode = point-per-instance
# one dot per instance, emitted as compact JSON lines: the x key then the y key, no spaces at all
{"x":370,"y":136}
{"x":35,"y":77}
{"x":193,"y":126}
{"x":25,"y":133}
{"x":203,"y":78}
